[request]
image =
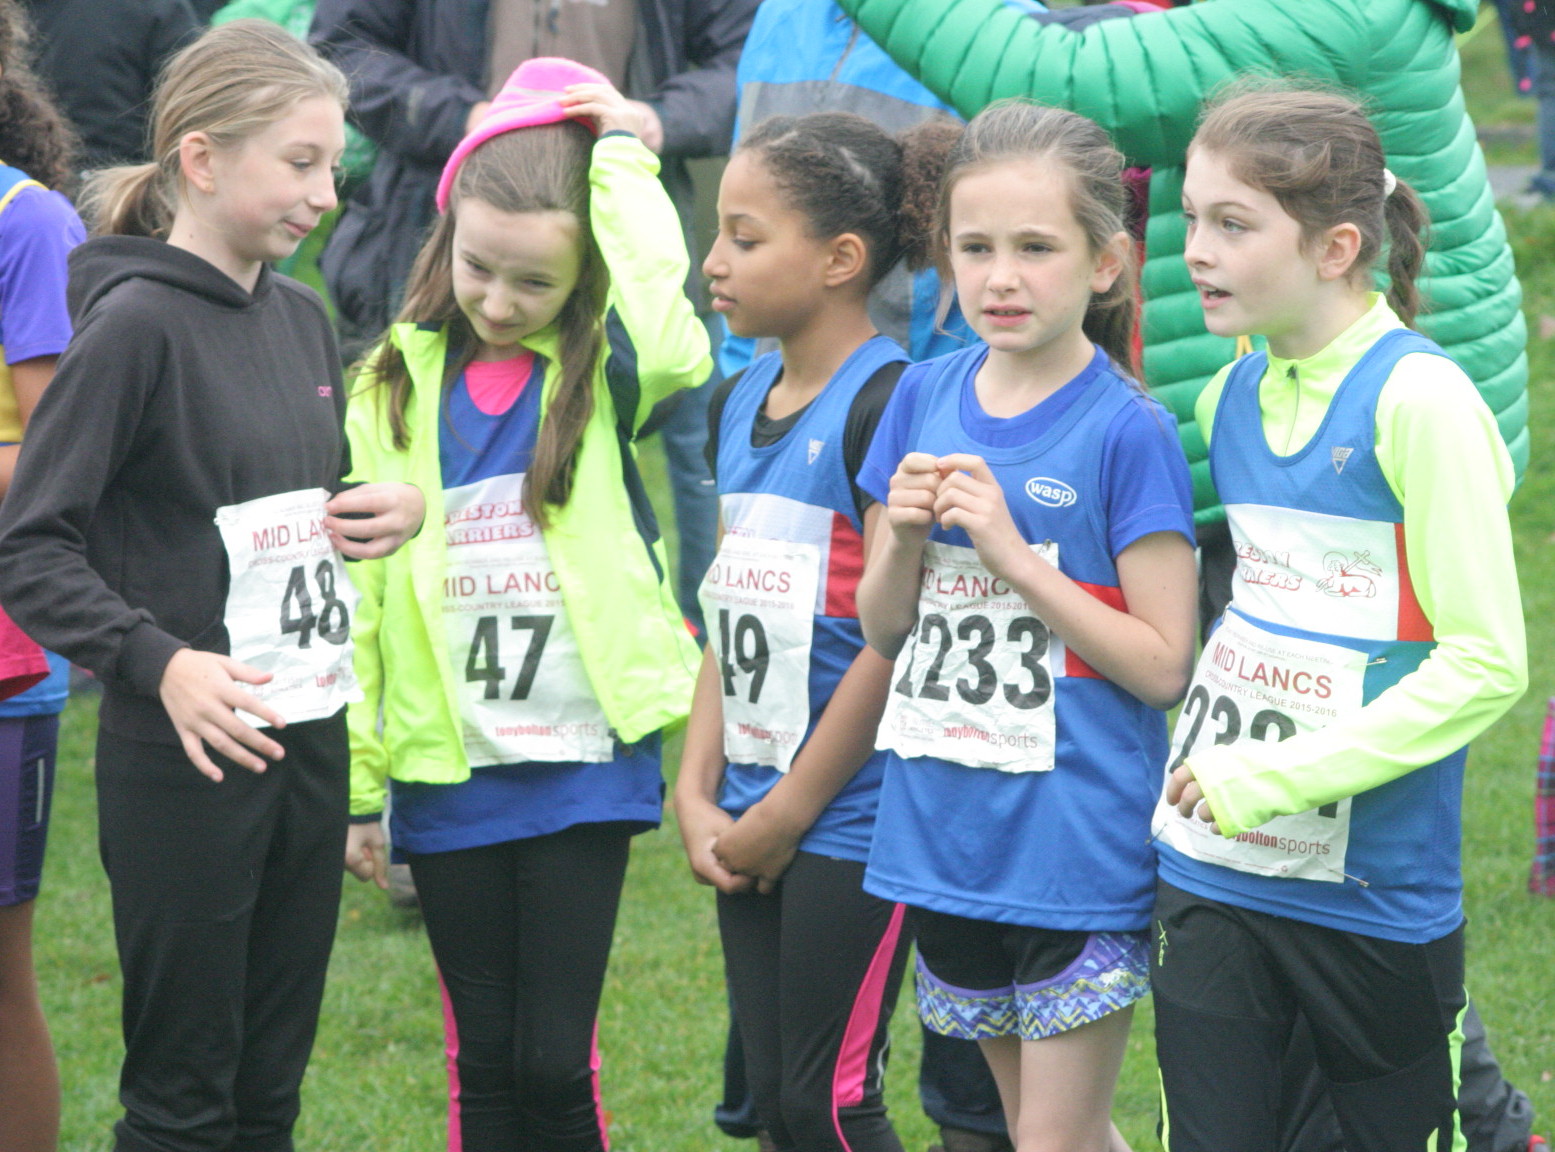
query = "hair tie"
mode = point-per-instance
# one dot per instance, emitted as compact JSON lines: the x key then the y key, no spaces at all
{"x":1389,"y":183}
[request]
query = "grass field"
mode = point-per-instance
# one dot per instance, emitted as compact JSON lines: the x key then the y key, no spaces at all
{"x":377,"y":1075}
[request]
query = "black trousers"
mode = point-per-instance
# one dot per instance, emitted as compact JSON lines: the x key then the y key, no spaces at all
{"x":813,"y":971}
{"x":225,"y":898}
{"x":1230,"y":987}
{"x":521,"y":933}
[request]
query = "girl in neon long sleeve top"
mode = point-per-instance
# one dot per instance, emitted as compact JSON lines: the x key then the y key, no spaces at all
{"x":1310,"y":825}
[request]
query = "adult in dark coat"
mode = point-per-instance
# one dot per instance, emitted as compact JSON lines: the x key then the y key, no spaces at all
{"x":417,"y":67}
{"x":101,"y":59}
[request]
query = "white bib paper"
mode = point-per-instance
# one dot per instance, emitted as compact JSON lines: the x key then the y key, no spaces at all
{"x":524,"y":694}
{"x":974,"y":683}
{"x":1252,"y":684}
{"x":289,"y":604}
{"x":758,"y":599}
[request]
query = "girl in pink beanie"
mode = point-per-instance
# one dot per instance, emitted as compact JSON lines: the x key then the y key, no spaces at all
{"x":525,"y":650}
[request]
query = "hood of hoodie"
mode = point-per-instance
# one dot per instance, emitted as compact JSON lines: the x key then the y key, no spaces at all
{"x":102,"y":264}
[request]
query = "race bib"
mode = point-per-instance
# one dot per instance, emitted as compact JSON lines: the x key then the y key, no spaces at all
{"x":1252,"y":684}
{"x":289,"y":604}
{"x":974,"y":683}
{"x":523,"y":693}
{"x":758,"y":599}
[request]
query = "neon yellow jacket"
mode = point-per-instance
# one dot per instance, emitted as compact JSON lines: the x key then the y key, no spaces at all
{"x":638,"y":656}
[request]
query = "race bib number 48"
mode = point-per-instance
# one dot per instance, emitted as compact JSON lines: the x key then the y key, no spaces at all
{"x":289,"y":604}
{"x":974,"y":683}
{"x":1252,"y":684}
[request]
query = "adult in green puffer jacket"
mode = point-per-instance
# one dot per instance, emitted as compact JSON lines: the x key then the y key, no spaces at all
{"x":1143,"y":80}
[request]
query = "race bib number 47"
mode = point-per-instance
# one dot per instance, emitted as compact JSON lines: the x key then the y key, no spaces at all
{"x":523,"y":692}
{"x":289,"y":604}
{"x":974,"y":683}
{"x":1252,"y":684}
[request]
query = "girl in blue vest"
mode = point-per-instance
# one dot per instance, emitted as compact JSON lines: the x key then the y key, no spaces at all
{"x":779,"y":779}
{"x":1034,"y":581}
{"x":1310,"y":825}
{"x":524,"y":654}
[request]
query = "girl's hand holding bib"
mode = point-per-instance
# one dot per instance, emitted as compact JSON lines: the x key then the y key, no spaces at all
{"x":1184,"y":791}
{"x":371,"y":520}
{"x":971,"y":499}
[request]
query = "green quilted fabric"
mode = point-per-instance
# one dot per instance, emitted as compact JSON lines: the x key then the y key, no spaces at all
{"x":1143,"y":80}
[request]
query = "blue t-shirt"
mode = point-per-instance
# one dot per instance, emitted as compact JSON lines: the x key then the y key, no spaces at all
{"x":1092,"y":468}
{"x":515,"y":801}
{"x":38,"y":228}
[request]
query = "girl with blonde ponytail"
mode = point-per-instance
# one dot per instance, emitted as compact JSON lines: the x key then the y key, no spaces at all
{"x":171,"y":527}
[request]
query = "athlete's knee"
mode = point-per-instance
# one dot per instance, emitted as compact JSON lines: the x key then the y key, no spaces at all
{"x":551,"y":1084}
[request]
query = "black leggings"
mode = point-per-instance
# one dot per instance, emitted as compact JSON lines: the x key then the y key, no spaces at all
{"x":1230,"y":986}
{"x":813,"y":972}
{"x":521,"y":933}
{"x":225,"y":898}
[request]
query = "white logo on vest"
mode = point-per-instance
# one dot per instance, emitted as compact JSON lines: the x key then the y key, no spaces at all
{"x":1053,"y":493}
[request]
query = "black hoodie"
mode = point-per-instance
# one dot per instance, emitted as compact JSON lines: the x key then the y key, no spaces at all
{"x":180,"y":393}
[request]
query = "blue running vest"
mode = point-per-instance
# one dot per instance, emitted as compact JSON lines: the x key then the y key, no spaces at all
{"x":779,"y":597}
{"x":1323,"y":618}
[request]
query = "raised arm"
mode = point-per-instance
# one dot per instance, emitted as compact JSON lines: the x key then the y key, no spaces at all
{"x":660,"y":340}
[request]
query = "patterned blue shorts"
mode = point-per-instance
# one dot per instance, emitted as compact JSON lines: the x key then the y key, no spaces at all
{"x":1111,"y":972}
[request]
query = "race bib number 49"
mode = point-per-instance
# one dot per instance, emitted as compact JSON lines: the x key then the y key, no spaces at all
{"x":289,"y":604}
{"x":974,"y":682}
{"x":1252,"y":684}
{"x":759,"y":602}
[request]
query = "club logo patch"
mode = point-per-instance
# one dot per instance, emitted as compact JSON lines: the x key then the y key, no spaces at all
{"x":1053,"y":493}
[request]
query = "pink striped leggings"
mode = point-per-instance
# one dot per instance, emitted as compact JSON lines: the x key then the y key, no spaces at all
{"x":813,"y":971}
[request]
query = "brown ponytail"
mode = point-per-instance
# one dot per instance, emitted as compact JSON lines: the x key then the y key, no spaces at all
{"x":1406,"y":219}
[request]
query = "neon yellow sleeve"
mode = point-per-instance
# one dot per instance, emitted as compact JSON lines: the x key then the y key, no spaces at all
{"x":366,"y":430}
{"x":640,"y":237}
{"x":1441,"y":453}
